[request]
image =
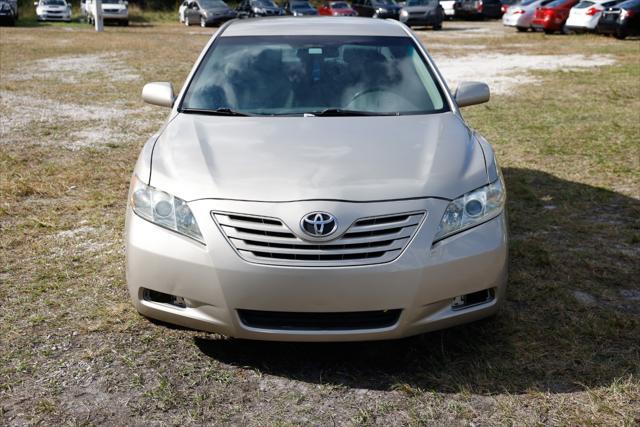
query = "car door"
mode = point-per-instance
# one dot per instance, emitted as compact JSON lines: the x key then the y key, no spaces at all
{"x":181,"y":10}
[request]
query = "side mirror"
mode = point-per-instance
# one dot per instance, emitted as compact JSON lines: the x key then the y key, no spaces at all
{"x":471,"y":93}
{"x":158,"y":93}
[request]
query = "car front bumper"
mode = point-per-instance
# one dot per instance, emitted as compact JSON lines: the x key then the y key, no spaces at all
{"x":426,"y":21}
{"x":115,"y":16}
{"x":215,"y":282}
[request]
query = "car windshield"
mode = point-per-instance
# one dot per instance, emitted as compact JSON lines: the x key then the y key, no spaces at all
{"x":556,"y":3}
{"x":263,"y":3}
{"x":385,"y":2}
{"x":528,"y":2}
{"x":339,"y":5}
{"x":279,"y":75}
{"x":630,"y":4}
{"x":300,"y":5}
{"x":422,"y":2}
{"x":212,"y":4}
{"x":54,"y":3}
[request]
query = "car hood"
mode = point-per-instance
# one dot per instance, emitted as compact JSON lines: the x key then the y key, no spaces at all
{"x":305,"y":158}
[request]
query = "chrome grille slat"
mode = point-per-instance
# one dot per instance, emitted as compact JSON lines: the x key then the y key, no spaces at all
{"x":369,"y":240}
{"x":301,"y":249}
{"x":233,"y":233}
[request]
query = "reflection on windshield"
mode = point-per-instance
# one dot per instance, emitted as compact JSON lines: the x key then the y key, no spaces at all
{"x":212,"y":4}
{"x":263,"y":3}
{"x":54,"y":3}
{"x":421,"y":2}
{"x":297,"y":74}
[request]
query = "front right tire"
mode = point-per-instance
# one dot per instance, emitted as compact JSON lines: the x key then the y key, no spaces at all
{"x":522,"y":29}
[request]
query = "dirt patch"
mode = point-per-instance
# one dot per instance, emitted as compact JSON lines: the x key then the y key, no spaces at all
{"x":73,"y":68}
{"x":503,"y":72}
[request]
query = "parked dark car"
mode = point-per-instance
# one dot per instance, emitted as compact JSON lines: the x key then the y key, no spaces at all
{"x":478,"y":9}
{"x":553,"y":16}
{"x":377,"y":8}
{"x":299,"y":8}
{"x":253,"y":8}
{"x":622,"y":20}
{"x":7,"y":14}
{"x":337,"y":8}
{"x":422,"y":13}
{"x":207,"y":12}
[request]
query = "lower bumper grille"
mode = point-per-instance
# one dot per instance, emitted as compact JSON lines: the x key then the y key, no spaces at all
{"x":319,"y":321}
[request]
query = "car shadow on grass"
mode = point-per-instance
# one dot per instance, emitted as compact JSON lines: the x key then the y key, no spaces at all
{"x":571,"y":319}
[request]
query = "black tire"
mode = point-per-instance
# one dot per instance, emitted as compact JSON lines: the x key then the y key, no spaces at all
{"x":522,"y":29}
{"x":125,"y":23}
{"x":437,"y":27}
{"x":549,"y":32}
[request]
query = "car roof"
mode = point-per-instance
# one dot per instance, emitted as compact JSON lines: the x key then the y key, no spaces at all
{"x":316,"y":26}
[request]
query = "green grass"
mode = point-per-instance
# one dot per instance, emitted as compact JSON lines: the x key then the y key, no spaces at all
{"x":74,"y":351}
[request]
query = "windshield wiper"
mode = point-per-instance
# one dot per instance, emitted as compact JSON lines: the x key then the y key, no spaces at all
{"x":336,"y":112}
{"x":216,"y":112}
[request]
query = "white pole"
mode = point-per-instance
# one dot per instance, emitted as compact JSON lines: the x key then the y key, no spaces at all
{"x":97,"y":14}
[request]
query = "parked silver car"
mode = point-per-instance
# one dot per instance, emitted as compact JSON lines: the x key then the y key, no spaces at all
{"x":205,"y":12}
{"x":315,"y":181}
{"x":422,"y":13}
{"x":520,"y":15}
{"x":53,"y":10}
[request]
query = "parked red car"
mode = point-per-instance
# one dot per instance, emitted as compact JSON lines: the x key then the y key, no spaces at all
{"x":552,"y":16}
{"x":336,"y":8}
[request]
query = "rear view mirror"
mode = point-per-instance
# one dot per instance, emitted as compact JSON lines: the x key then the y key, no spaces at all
{"x":471,"y":93}
{"x":158,"y":93}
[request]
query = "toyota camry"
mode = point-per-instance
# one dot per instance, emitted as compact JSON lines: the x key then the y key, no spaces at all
{"x":316,"y":181}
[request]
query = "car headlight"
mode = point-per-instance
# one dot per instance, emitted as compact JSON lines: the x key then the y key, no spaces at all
{"x":473,"y":208}
{"x":163,"y":209}
{"x":404,"y":13}
{"x":381,"y":10}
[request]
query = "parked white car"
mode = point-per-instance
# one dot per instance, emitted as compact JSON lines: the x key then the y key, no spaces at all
{"x":53,"y":10}
{"x":521,"y":15}
{"x":116,"y":11}
{"x":585,"y":15}
{"x":447,"y":6}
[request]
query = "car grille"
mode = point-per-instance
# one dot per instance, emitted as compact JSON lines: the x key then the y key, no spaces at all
{"x":416,"y":14}
{"x":111,"y":10}
{"x":340,"y":321}
{"x":268,"y":240}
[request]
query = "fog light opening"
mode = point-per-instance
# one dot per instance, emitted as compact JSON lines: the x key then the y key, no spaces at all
{"x":162,"y":298}
{"x":462,"y":302}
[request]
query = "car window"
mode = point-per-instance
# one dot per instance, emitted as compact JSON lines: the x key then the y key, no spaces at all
{"x":583,"y":5}
{"x":556,"y":3}
{"x":279,"y":75}
{"x":630,"y":4}
{"x":53,"y":3}
{"x":339,"y":5}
